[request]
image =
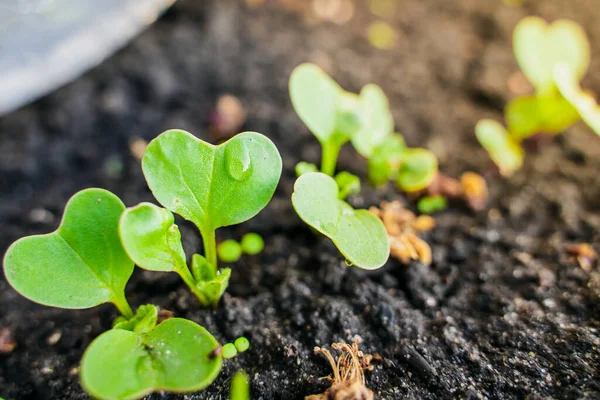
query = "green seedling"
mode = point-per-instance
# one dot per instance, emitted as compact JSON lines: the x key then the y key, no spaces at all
{"x":431,"y":204}
{"x":359,"y":235}
{"x":229,"y":251}
{"x":303,"y":167}
{"x":554,"y":57}
{"x":240,"y":386}
{"x":348,"y":184}
{"x":80,"y":265}
{"x":413,"y":169}
{"x":252,"y":244}
{"x":211,"y":186}
{"x":83,"y":264}
{"x":502,"y":148}
{"x":335,"y":116}
{"x":176,"y":356}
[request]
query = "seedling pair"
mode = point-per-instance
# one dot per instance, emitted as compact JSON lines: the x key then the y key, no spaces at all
{"x":211,"y":186}
{"x":230,"y":250}
{"x":554,"y":58}
{"x":336,"y":116}
{"x":83,"y":264}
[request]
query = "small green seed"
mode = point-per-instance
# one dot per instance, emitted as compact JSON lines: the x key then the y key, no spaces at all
{"x":229,"y":251}
{"x":242,"y":344}
{"x":252,"y":243}
{"x":229,"y":350}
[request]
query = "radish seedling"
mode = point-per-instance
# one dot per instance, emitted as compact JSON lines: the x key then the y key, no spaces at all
{"x":211,"y":186}
{"x":83,"y":264}
{"x":359,"y":235}
{"x":335,"y":116}
{"x":554,"y":57}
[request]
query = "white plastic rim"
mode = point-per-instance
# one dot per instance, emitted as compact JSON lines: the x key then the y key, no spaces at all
{"x":45,"y":44}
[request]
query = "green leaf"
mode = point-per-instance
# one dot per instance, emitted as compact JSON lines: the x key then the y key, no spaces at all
{"x":503,"y":150}
{"x":151,"y":238}
{"x":304,"y":167}
{"x":212,"y":186}
{"x":529,"y":115}
{"x":539,"y":47}
{"x":229,"y":251}
{"x":359,"y":235}
{"x":431,"y":204}
{"x":176,"y":356}
{"x":376,"y":121}
{"x":417,"y":169}
{"x":348,"y":184}
{"x":252,"y":243}
{"x":385,"y":161}
{"x":584,"y":103}
{"x":240,"y":386}
{"x":81,"y":264}
{"x":315,"y":98}
{"x":143,"y":322}
{"x":209,"y":284}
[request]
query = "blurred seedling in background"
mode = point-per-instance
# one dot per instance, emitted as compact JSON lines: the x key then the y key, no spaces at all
{"x":554,"y":58}
{"x":211,"y":186}
{"x":230,"y":250}
{"x":359,"y":235}
{"x":348,"y":378}
{"x":83,"y":264}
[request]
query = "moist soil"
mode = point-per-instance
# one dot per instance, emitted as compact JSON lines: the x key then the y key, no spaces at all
{"x":502,"y":312}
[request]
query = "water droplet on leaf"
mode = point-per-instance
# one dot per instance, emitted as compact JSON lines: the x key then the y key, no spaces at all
{"x":237,"y":160}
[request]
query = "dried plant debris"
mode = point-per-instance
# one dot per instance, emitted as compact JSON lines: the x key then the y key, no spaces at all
{"x":475,"y":190}
{"x":7,"y":341}
{"x":348,"y":378}
{"x":584,"y":254}
{"x":403,"y":227}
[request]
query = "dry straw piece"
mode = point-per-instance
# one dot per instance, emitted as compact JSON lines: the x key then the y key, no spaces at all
{"x":403,"y":227}
{"x":348,"y":380}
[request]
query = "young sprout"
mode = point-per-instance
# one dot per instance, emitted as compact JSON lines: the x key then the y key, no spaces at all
{"x":385,"y":160}
{"x":229,"y":251}
{"x":240,"y":386}
{"x":211,"y":186}
{"x":417,"y":170}
{"x":303,"y":167}
{"x":431,"y":204}
{"x":348,"y":184}
{"x":252,"y":243}
{"x":80,"y":265}
{"x":176,"y":355}
{"x":359,"y":235}
{"x":335,"y":116}
{"x":504,"y":151}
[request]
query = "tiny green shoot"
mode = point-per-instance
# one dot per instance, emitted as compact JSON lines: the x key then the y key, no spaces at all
{"x":229,"y":350}
{"x":303,"y":167}
{"x":242,"y":344}
{"x":229,"y":251}
{"x":385,"y":161}
{"x":358,"y":234}
{"x":348,"y":184}
{"x":252,"y":243}
{"x":504,"y":151}
{"x":431,"y":204}
{"x":417,"y":169}
{"x":240,"y":386}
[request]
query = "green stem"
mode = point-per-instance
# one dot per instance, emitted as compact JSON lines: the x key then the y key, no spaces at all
{"x":187,"y":277}
{"x":331,"y":150}
{"x":210,"y":247}
{"x":123,"y":306}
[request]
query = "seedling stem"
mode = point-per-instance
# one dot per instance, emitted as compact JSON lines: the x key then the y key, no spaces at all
{"x":331,"y":150}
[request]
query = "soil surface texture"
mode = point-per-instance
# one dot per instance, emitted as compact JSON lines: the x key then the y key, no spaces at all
{"x":503,"y":312}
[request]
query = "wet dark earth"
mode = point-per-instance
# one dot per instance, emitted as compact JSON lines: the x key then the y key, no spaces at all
{"x":503,"y":312}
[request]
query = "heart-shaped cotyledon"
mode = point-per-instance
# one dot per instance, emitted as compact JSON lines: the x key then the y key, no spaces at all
{"x":177,"y":356}
{"x":540,"y":46}
{"x":358,"y":234}
{"x":81,"y":264}
{"x":212,"y":186}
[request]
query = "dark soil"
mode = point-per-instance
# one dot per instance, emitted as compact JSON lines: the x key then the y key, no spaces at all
{"x":502,"y":313}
